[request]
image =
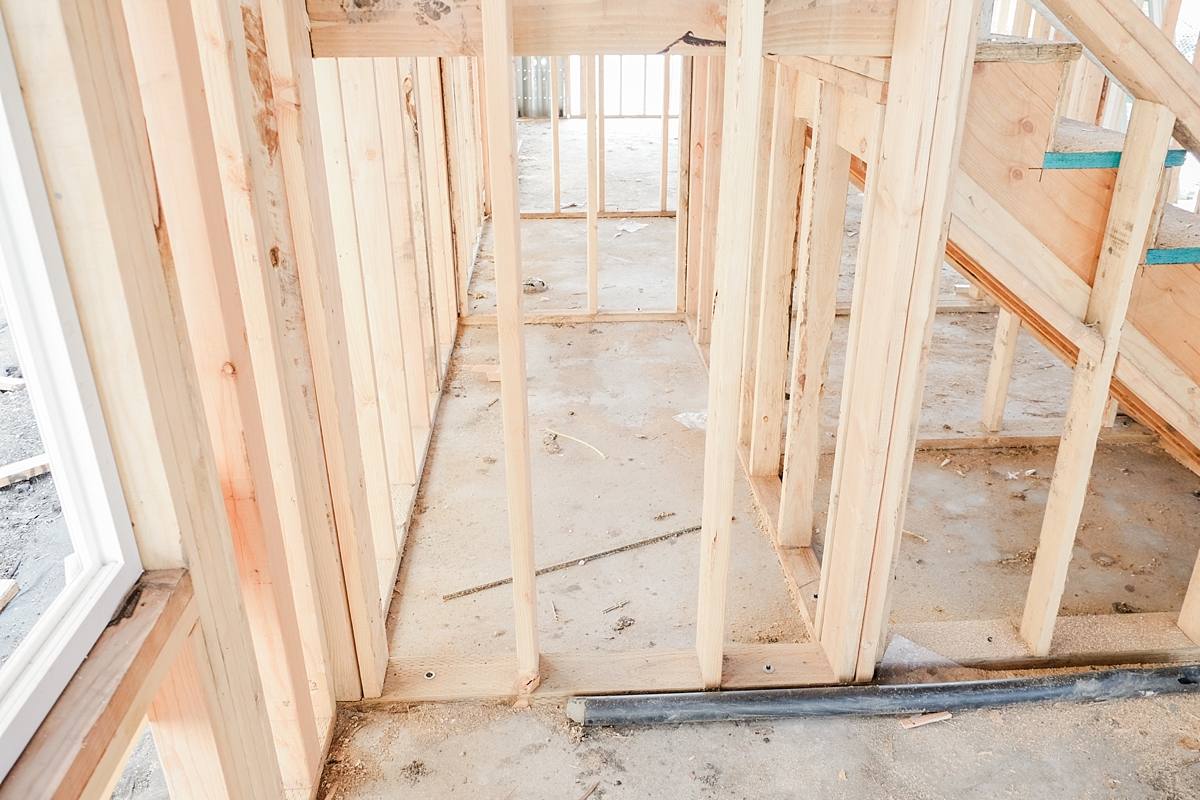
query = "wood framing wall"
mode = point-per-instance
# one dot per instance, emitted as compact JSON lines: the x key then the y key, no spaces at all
{"x":270,"y":255}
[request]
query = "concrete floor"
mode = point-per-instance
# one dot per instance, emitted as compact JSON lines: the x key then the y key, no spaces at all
{"x":617,"y":387}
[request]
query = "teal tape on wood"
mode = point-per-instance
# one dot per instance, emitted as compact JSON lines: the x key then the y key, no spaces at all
{"x":1174,"y":255}
{"x":1109,"y":159}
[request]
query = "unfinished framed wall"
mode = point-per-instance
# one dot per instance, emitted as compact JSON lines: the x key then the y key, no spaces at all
{"x":269,"y":234}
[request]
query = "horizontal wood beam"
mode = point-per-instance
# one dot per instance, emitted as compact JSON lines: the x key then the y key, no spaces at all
{"x":455,"y":677}
{"x":596,"y":27}
{"x":82,"y":743}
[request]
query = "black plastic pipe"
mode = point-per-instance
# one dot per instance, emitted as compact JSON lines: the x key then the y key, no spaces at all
{"x":873,"y":700}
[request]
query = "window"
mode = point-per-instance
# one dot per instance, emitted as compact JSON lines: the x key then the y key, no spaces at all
{"x":47,"y":334}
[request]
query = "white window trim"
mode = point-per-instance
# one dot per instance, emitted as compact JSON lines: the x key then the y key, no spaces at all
{"x":46,"y":329}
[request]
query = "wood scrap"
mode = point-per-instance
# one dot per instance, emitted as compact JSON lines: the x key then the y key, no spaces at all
{"x":11,"y":384}
{"x":492,"y":371}
{"x":575,"y":562}
{"x":8,"y":590}
{"x":24,"y":470}
{"x":909,"y":723}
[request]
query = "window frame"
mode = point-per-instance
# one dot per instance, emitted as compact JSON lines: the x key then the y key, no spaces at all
{"x":54,"y":359}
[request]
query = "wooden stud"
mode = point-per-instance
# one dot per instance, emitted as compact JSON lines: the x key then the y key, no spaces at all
{"x":506,"y":227}
{"x":682,"y":209}
{"x":735,"y":221}
{"x":1004,"y":350}
{"x":601,"y":204}
{"x":666,"y":131}
{"x":404,"y":251}
{"x":454,"y":125}
{"x":227,"y":254}
{"x":895,"y":299}
{"x":69,"y":57}
{"x":377,"y":271}
{"x":431,"y":127}
{"x":182,"y":718}
{"x":418,"y":194}
{"x":361,"y":568}
{"x":822,"y":222}
{"x":712,"y":185}
{"x":594,"y":181}
{"x":555,"y":155}
{"x":1139,"y":184}
{"x":781,"y":216}
{"x":697,"y":146}
{"x":332,"y":431}
{"x":754,"y":279}
{"x":616,"y":26}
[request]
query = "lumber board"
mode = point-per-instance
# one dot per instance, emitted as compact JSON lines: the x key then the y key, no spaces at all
{"x":576,"y":318}
{"x":1138,"y":189}
{"x":621,"y":27}
{"x":377,"y":265}
{"x":780,"y":223}
{"x":1004,"y":350}
{"x":8,"y":590}
{"x":11,"y":384}
{"x":82,"y":742}
{"x":906,"y":204}
{"x":755,"y":300}
{"x":474,"y":677}
{"x":24,"y":469}
{"x":593,"y":112}
{"x":329,"y":455}
{"x":431,"y":129}
{"x":71,"y":61}
{"x":358,"y":555}
{"x":683,"y":188}
{"x":821,"y":230}
{"x":230,"y":252}
{"x":740,"y":177}
{"x":714,"y":130}
{"x":988,"y":244}
{"x":974,"y":434}
{"x":849,"y":81}
{"x":418,"y":192}
{"x":416,"y":351}
{"x":506,"y":229}
{"x":697,"y":170}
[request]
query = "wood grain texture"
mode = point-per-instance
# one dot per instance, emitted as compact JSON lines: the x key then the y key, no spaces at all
{"x":1138,"y":188}
{"x":734,"y":249}
{"x":506,"y":227}
{"x":568,"y":674}
{"x":83,"y":740}
{"x":82,"y":113}
{"x":895,"y":299}
{"x":592,"y":27}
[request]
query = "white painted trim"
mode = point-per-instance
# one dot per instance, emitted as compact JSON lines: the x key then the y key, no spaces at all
{"x":54,"y":359}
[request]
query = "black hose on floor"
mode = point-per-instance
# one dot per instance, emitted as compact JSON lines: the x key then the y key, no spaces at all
{"x":872,"y":700}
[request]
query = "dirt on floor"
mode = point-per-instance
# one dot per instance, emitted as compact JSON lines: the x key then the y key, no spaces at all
{"x":612,"y":465}
{"x":33,"y":534}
